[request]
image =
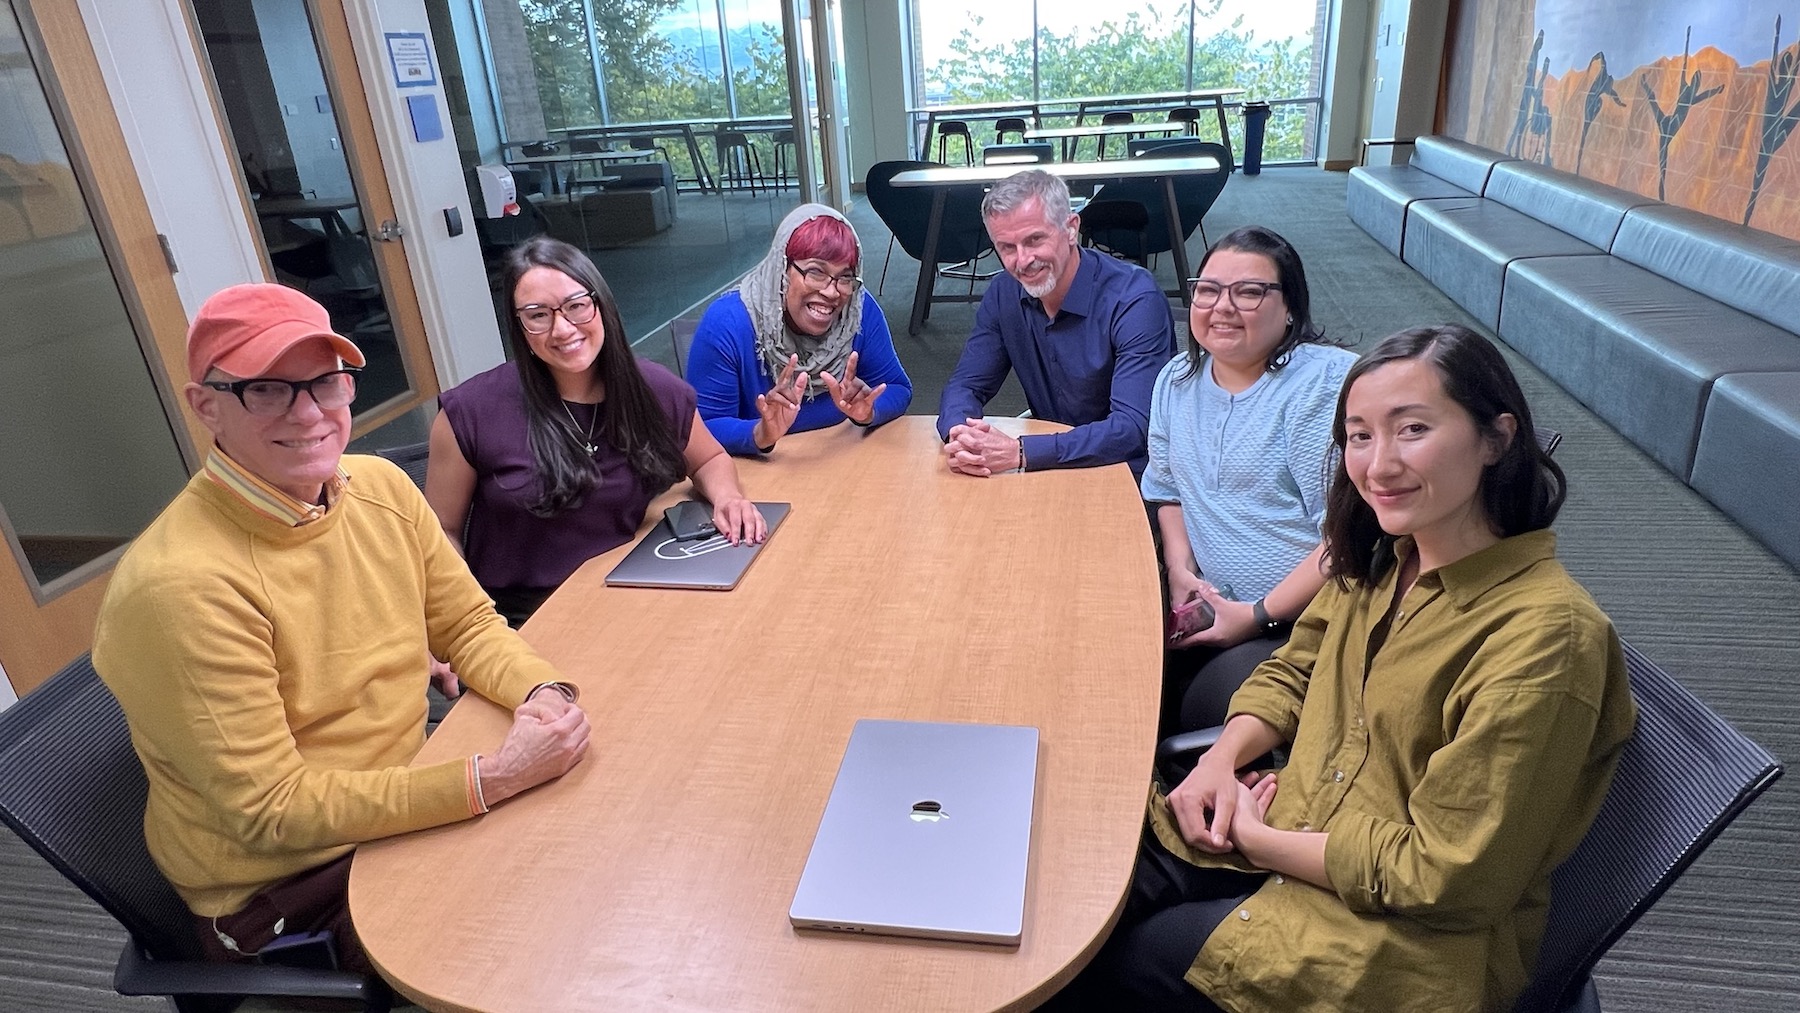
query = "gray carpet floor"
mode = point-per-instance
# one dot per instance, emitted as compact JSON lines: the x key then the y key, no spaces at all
{"x":1682,"y":582}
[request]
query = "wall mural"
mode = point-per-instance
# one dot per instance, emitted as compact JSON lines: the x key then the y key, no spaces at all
{"x":1691,"y":102}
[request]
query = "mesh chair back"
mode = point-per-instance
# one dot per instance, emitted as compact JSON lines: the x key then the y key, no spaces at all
{"x":411,"y":458}
{"x":906,"y":211}
{"x":73,"y":789}
{"x":1685,"y":775}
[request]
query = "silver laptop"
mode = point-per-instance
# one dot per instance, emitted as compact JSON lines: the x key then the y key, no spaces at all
{"x":711,"y":564}
{"x":927,"y":833}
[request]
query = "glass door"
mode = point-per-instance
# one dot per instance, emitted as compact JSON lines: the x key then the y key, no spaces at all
{"x":292,"y":100}
{"x":94,"y":443}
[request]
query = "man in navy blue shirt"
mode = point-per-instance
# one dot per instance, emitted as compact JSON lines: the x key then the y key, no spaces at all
{"x":1085,"y":334}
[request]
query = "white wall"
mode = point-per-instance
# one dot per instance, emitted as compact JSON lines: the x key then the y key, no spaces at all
{"x":300,"y":88}
{"x":155,"y":77}
{"x":7,"y":696}
{"x":426,"y":177}
{"x":875,"y":55}
{"x":1347,"y":71}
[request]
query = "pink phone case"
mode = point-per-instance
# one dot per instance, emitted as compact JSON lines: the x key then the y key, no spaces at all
{"x":1189,"y":618}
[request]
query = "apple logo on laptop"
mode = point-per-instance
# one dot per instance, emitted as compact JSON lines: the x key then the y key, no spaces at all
{"x":928,"y":812}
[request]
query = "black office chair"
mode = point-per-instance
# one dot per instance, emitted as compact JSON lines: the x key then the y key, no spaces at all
{"x":955,"y":128}
{"x":1684,"y":777}
{"x":1188,"y":117}
{"x":906,"y":211}
{"x":739,"y":164}
{"x":1195,"y":194}
{"x":1009,"y":125}
{"x":1114,"y":119}
{"x":1033,"y":153}
{"x":73,"y":789}
{"x":681,"y":339}
{"x":411,"y":458}
{"x":1115,"y":227}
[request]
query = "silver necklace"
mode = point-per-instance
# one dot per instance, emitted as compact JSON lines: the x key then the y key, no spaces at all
{"x":587,"y":439}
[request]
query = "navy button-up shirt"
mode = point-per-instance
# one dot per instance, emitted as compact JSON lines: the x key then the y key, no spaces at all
{"x":1092,"y":368}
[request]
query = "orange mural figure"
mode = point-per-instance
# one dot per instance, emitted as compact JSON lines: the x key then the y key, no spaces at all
{"x":1778,"y":118}
{"x":1668,"y":124}
{"x":1601,"y":88}
{"x":1529,"y":98}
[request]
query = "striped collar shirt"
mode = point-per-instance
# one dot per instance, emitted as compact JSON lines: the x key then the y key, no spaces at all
{"x":264,"y":498}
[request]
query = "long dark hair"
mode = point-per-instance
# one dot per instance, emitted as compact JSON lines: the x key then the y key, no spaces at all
{"x":1521,"y":491}
{"x":1292,"y":277}
{"x":631,"y":421}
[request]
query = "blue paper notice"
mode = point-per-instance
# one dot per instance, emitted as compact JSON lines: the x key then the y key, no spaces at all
{"x":426,"y":124}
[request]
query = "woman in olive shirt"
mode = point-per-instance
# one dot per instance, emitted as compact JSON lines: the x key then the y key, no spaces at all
{"x":1453,"y":705}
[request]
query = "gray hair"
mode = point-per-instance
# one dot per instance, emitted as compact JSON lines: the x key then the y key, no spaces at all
{"x":1014,"y":191}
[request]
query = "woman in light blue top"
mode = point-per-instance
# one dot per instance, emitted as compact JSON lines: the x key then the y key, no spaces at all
{"x":799,"y":344}
{"x":1240,"y":442}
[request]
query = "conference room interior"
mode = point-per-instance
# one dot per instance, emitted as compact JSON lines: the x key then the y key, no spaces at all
{"x":1682,"y":581}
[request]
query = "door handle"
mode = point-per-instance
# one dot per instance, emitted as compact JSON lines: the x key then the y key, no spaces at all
{"x":390,"y":231}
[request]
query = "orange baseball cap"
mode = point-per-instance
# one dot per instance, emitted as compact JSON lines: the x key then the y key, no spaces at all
{"x":245,"y":328}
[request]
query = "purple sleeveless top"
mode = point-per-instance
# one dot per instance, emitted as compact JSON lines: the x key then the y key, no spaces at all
{"x":508,"y":546}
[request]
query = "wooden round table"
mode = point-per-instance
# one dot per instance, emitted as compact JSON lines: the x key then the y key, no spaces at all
{"x":657,"y":874}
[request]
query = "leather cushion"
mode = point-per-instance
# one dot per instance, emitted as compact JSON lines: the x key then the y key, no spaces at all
{"x":1458,"y":162}
{"x":1377,"y":197}
{"x":1463,"y":246}
{"x":1748,"y":462}
{"x":1589,"y":211}
{"x":1751,"y":270}
{"x":1639,"y":350}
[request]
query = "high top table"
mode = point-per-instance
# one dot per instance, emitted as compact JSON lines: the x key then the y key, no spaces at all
{"x":943,"y":178}
{"x":657,"y":874}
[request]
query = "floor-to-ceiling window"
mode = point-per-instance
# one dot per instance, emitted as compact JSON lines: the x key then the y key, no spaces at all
{"x":1043,"y":50}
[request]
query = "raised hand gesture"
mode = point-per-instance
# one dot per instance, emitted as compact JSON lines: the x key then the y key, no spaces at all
{"x":780,"y":405}
{"x":853,"y":397}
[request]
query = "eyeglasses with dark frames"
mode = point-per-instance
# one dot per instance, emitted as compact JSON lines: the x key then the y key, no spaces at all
{"x":265,"y":395}
{"x":1245,"y":295}
{"x":577,"y":309}
{"x":818,"y":279}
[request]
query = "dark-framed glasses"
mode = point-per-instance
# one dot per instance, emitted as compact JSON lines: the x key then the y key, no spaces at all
{"x":818,"y":279}
{"x":577,"y":309}
{"x":265,"y":395}
{"x":1245,"y":295}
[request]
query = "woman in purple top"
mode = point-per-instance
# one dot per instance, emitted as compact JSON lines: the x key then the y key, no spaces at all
{"x":799,"y":344}
{"x":552,"y":459}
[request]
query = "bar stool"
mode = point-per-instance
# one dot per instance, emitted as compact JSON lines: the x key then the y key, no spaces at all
{"x":955,"y":128}
{"x":1111,"y":120}
{"x":1009,"y":125}
{"x":783,"y":141}
{"x":738,"y":161}
{"x":1189,"y":117}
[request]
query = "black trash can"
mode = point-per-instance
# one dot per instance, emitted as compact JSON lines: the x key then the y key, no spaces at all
{"x":1256,"y":120}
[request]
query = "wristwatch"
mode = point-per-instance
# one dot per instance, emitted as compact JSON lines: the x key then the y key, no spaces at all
{"x":1264,"y":624}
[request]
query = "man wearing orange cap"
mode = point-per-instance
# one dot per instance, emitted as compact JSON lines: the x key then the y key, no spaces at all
{"x":268,"y":637}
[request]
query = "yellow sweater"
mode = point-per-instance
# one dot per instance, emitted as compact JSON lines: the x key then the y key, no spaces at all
{"x":274,"y":678}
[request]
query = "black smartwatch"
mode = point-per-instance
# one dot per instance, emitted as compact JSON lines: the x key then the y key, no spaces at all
{"x":1264,"y":624}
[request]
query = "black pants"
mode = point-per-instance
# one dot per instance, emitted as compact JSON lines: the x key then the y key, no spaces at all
{"x":1170,"y":910}
{"x":1198,"y":681}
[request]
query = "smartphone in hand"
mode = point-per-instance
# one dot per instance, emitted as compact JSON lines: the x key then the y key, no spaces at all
{"x":1189,"y":618}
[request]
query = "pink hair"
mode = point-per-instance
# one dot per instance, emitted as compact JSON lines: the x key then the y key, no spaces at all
{"x":823,"y":238}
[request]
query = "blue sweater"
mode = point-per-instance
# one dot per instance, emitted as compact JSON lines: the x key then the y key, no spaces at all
{"x":1092,"y":368}
{"x":725,"y":372}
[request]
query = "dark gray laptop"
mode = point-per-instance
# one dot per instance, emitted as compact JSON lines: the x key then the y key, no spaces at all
{"x":711,"y":564}
{"x":927,"y":833}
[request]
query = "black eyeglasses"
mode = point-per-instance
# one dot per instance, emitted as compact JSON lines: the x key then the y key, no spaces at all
{"x":268,"y":396}
{"x":577,"y":309}
{"x":1245,"y":295}
{"x":818,"y":279}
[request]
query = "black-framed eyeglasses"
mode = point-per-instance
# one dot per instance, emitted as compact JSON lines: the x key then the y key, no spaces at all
{"x":577,"y":309}
{"x":818,"y":279}
{"x":266,"y":395}
{"x":1245,"y":295}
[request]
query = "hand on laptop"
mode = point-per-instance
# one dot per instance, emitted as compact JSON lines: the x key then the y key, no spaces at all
{"x":740,"y":522}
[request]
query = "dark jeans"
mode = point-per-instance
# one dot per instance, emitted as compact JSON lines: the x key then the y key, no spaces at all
{"x":312,"y":901}
{"x":1170,"y":910}
{"x":1198,"y":681}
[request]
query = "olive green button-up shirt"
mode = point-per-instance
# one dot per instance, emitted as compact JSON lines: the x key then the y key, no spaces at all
{"x":1456,"y":745}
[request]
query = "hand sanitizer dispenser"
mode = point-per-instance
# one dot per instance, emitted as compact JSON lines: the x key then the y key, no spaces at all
{"x":499,"y":195}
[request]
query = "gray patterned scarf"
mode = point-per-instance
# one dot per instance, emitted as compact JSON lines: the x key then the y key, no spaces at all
{"x":762,"y":290}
